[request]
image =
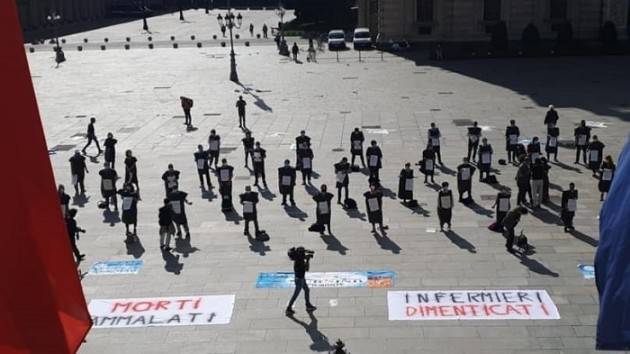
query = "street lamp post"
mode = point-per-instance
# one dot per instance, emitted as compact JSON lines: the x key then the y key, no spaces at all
{"x":280,"y":11}
{"x":54,"y":19}
{"x":145,"y":25}
{"x":230,"y":21}
{"x":181,"y":10}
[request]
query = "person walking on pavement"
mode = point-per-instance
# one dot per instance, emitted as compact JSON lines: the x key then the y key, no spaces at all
{"x":511,"y":141}
{"x":302,"y":142}
{"x":434,"y":136}
{"x":405,"y":184}
{"x":131,"y":170}
{"x":356,"y":146}
{"x":286,"y":182}
{"x":474,"y":135}
{"x":91,"y":136}
{"x":582,"y":136}
{"x":569,"y":206}
{"x":465,"y":171}
{"x":511,"y":219}
{"x":259,"y":155}
{"x":374,"y":206}
{"x":595,"y":155}
{"x":606,"y":176}
{"x":108,"y":185}
{"x":64,"y":200}
{"x":248,"y":146}
{"x":427,"y":165}
{"x":533,"y":149}
{"x":167,"y":229}
{"x":73,"y":233}
{"x":214,"y":148}
{"x":301,"y":265}
{"x":178,"y":200}
{"x":485,"y":160}
{"x":171,"y":179}
{"x":342,"y":171}
{"x":322,"y":210}
{"x":78,"y":168}
{"x":187,"y":104}
{"x":203,"y":167}
{"x":129,"y":211}
{"x":240,"y":107}
{"x":295,"y":50}
{"x":110,"y":150}
{"x":225,"y":173}
{"x":445,"y":206}
{"x":249,"y":200}
{"x":374,"y":156}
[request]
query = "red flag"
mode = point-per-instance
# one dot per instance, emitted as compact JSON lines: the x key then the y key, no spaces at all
{"x":42,"y":307}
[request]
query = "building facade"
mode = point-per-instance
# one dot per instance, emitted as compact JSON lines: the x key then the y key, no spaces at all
{"x":33,"y":12}
{"x":472,"y":20}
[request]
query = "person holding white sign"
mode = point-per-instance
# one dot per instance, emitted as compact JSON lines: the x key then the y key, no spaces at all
{"x":427,"y":165}
{"x":306,"y":164}
{"x":249,"y":200}
{"x":356,"y":145}
{"x":178,"y":205}
{"x":485,"y":160}
{"x":258,"y":156}
{"x":374,"y":206}
{"x":286,"y":182}
{"x":342,"y":171}
{"x":78,"y":168}
{"x":465,"y":171}
{"x":552,"y":142}
{"x":445,"y":206}
{"x":606,"y":176}
{"x":582,"y":136}
{"x":187,"y":104}
{"x":503,"y":205}
{"x":131,"y":170}
{"x":374,"y":156}
{"x":129,"y":211}
{"x":474,"y":135}
{"x":214,"y":148}
{"x":569,"y":206}
{"x":108,"y":185}
{"x":322,"y":209}
{"x":225,"y":174}
{"x":203,"y":167}
{"x":511,"y":141}
{"x":64,"y":200}
{"x":595,"y":155}
{"x":248,"y":146}
{"x":165,"y":220}
{"x":171,"y":179}
{"x":551,"y":118}
{"x":110,"y":150}
{"x":434,"y":136}
{"x":302,"y":142}
{"x":533,"y":149}
{"x":405,"y":184}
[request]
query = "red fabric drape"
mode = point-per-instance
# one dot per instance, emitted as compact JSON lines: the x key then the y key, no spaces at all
{"x":42,"y":307}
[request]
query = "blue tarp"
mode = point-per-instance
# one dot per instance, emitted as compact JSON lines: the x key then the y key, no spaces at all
{"x":612,"y":262}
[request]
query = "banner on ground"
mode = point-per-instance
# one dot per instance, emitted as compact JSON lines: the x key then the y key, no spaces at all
{"x":162,"y":311}
{"x":116,"y":267}
{"x":471,"y":305}
{"x":371,"y":279}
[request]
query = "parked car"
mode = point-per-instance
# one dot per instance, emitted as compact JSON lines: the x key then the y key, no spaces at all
{"x":336,"y":39}
{"x":362,"y":38}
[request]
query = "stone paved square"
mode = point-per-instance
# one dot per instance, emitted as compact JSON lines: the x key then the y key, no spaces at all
{"x":135,"y":94}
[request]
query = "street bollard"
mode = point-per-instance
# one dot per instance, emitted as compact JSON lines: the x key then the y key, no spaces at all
{"x":31,"y":49}
{"x":175,"y":45}
{"x":106,"y":39}
{"x":102,"y":47}
{"x":63,"y":40}
{"x":198,"y":44}
{"x":79,"y":48}
{"x":192,"y":38}
{"x":172,"y":38}
{"x":85,"y":40}
{"x":222,"y":44}
{"x":149,"y":38}
{"x":150,"y":45}
{"x":127,"y":46}
{"x":128,"y":39}
{"x":214,"y":36}
{"x":247,"y":43}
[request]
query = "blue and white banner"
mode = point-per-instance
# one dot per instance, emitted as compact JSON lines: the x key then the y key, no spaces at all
{"x":116,"y":267}
{"x":588,"y":272}
{"x":370,"y":279}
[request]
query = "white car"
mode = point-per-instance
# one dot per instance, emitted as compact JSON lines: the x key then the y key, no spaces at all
{"x":336,"y":39}
{"x":362,"y":38}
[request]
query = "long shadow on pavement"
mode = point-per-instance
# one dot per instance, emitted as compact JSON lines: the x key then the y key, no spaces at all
{"x":257,"y":246}
{"x":111,"y":217}
{"x":183,"y":246}
{"x":584,"y":238}
{"x":135,"y":248}
{"x":320,"y":341}
{"x":460,"y":242}
{"x":333,"y":244}
{"x":386,"y":243}
{"x":479,"y":209}
{"x":535,"y":266}
{"x":172,"y":264}
{"x":295,"y":212}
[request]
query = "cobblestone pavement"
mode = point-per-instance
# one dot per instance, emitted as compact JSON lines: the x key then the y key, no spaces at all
{"x":134,"y":94}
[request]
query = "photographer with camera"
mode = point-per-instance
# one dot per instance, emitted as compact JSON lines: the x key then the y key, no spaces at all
{"x":301,"y":258}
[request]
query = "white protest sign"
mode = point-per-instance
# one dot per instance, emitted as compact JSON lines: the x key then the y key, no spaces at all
{"x":162,"y":311}
{"x":471,"y":305}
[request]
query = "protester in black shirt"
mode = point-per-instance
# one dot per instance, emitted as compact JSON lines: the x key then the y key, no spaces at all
{"x":374,"y":206}
{"x":595,"y":155}
{"x":301,"y":259}
{"x":167,"y":229}
{"x":240,"y":105}
{"x":286,"y":182}
{"x":171,"y":179}
{"x":503,"y":205}
{"x":537,"y":176}
{"x":445,"y":206}
{"x":434,"y":136}
{"x":306,"y":164}
{"x":73,"y":233}
{"x":551,"y":147}
{"x":485,"y":160}
{"x":131,"y":170}
{"x":546,"y":168}
{"x":569,"y":206}
{"x":551,"y":118}
{"x":465,"y":171}
{"x":91,"y":136}
{"x":342,"y":170}
{"x":405,"y":183}
{"x":129,"y":211}
{"x":606,"y":176}
{"x":322,"y":210}
{"x":78,"y":169}
{"x":64,"y":200}
{"x":582,"y":136}
{"x":178,"y":202}
{"x":203,"y":167}
{"x":374,"y":157}
{"x":427,"y":165}
{"x":302,"y":143}
{"x":356,"y":145}
{"x":474,"y":135}
{"x":258,"y":156}
{"x":214,"y":148}
{"x":110,"y":150}
{"x":108,"y":185}
{"x":511,"y":141}
{"x":225,"y":174}
{"x":249,"y":200}
{"x":248,"y":146}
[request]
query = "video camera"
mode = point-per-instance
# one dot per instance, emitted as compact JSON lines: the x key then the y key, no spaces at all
{"x":296,"y":253}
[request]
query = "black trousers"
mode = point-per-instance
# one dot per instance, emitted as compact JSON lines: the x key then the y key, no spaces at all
{"x":500,"y":216}
{"x":306,"y":174}
{"x":436,"y":149}
{"x":374,"y":172}
{"x":255,"y":221}
{"x":290,"y":194}
{"x":241,"y":118}
{"x":511,"y":152}
{"x":79,"y":184}
{"x":300,"y":284}
{"x":509,"y":237}
{"x":75,"y":250}
{"x":93,"y":138}
{"x":259,"y":172}
{"x":361,"y":156}
{"x":472,"y":147}
{"x":523,"y":189}
{"x":339,"y":192}
{"x":213,"y":157}
{"x":248,"y":154}
{"x":206,"y":174}
{"x":187,"y":117}
{"x":577,"y":153}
